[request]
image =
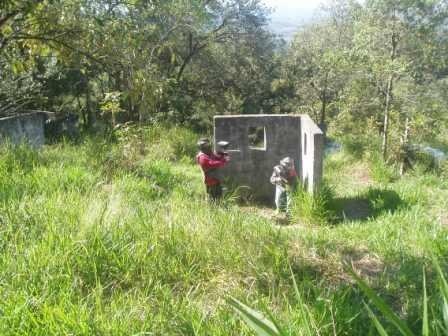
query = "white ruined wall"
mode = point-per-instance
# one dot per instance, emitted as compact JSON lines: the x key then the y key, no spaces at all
{"x":312,"y":142}
{"x":28,"y":128}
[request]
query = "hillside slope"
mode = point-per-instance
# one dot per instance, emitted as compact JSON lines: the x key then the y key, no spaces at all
{"x":115,"y":238}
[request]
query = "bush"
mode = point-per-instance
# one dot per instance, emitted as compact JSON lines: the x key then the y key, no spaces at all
{"x":318,"y":208}
{"x":183,"y":142}
{"x":132,"y":144}
{"x":380,"y":171}
{"x":383,"y":200}
{"x":423,"y":162}
{"x":170,"y":143}
{"x":354,"y":146}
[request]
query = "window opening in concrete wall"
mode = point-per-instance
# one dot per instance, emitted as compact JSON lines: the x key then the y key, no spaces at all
{"x":257,"y":137}
{"x":305,"y":144}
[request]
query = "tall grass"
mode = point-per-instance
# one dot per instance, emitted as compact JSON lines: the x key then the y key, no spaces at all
{"x":432,"y":324}
{"x":112,"y":236}
{"x":318,"y":208}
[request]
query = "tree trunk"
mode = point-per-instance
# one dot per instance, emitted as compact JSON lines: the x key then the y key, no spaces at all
{"x":91,"y":120}
{"x":393,"y":54}
{"x":183,"y":66}
{"x":386,"y":117}
{"x":323,"y":113}
{"x":404,"y":144}
{"x":83,"y":112}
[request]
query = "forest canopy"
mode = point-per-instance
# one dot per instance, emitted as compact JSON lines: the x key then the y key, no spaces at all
{"x":371,"y":70}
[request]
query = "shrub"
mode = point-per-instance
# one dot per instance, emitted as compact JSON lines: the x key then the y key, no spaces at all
{"x":423,"y":162}
{"x":317,"y":208}
{"x":354,"y":146}
{"x":383,"y":200}
{"x":183,"y":142}
{"x":380,"y":171}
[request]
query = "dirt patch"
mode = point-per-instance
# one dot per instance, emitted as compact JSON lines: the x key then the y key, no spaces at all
{"x":334,"y":265}
{"x":369,"y":265}
{"x":363,"y":262}
{"x":269,"y":214}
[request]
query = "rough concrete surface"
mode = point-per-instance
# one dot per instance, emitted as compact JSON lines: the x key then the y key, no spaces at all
{"x":27,"y":127}
{"x":284,"y":135}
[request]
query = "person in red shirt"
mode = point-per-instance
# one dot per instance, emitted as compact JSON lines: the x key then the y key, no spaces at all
{"x":210,"y":163}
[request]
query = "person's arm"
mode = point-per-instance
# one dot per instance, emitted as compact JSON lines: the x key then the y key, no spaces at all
{"x":275,"y":178}
{"x":208,"y":163}
{"x":293,"y":173}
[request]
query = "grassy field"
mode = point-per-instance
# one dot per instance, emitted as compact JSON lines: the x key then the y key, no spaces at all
{"x":114,"y":237}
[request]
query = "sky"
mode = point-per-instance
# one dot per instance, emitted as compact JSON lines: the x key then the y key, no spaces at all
{"x":289,"y":14}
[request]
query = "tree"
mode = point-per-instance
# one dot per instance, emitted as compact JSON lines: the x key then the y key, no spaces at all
{"x":318,"y":60}
{"x":154,"y":53}
{"x":392,"y":39}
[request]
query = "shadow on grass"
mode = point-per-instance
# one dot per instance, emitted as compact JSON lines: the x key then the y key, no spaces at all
{"x":369,"y":205}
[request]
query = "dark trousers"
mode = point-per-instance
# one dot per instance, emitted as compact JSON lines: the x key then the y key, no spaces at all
{"x":214,"y":192}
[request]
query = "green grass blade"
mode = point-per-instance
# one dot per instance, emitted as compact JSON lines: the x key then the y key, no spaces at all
{"x":425,"y":326}
{"x":304,"y":312}
{"x":445,"y":314}
{"x":443,"y":283}
{"x":382,"y":306}
{"x":443,"y":286}
{"x":254,"y":319}
{"x":277,"y":325}
{"x":377,"y":323}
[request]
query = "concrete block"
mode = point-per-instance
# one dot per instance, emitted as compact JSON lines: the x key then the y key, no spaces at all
{"x":26,"y":127}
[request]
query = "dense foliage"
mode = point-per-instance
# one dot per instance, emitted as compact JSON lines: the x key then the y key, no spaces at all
{"x":370,"y":70}
{"x":178,"y":60}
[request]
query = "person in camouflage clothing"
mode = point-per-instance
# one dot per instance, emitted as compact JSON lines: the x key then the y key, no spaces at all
{"x":284,"y":177}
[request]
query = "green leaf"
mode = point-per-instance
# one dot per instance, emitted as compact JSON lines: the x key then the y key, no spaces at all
{"x":303,"y":308}
{"x":445,"y":314}
{"x":382,"y":306}
{"x":425,"y":327}
{"x":254,"y":319}
{"x":17,"y":67}
{"x":444,"y":292}
{"x":443,"y":283}
{"x":377,"y":323}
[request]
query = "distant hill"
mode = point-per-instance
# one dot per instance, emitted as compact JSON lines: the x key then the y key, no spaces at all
{"x":286,"y":22}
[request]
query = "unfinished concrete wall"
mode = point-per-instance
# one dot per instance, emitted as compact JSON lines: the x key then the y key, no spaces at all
{"x":58,"y":127}
{"x":251,"y":166}
{"x":27,"y":128}
{"x":312,"y":150}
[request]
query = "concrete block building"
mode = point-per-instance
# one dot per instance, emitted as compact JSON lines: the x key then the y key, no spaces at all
{"x":25,"y":127}
{"x":259,"y":142}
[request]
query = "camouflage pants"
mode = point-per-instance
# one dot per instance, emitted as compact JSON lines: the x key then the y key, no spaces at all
{"x":282,"y":198}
